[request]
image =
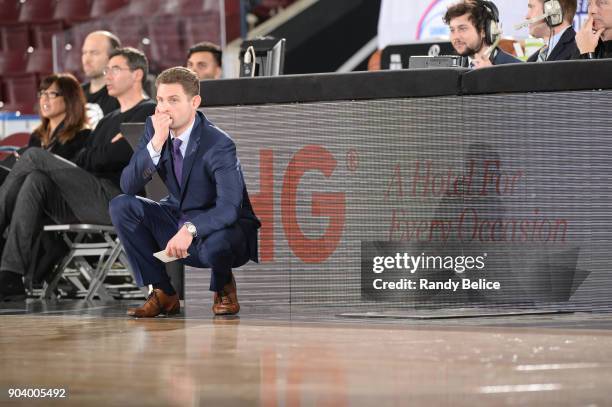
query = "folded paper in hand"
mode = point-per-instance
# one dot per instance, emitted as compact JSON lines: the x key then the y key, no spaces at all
{"x":161,"y":255}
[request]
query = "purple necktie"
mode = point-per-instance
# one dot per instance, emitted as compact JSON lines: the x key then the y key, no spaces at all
{"x":177,"y":157}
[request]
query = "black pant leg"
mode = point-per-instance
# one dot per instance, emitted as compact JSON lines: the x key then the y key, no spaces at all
{"x":37,"y":199}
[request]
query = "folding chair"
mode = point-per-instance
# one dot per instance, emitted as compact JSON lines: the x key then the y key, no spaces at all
{"x":87,"y":277}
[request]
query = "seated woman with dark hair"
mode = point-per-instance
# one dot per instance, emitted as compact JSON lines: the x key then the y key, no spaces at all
{"x":63,"y":129}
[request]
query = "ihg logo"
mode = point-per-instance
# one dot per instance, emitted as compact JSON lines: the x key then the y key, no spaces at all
{"x":323,"y":204}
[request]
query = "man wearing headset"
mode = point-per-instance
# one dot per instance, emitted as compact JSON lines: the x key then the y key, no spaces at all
{"x":594,"y":39}
{"x":552,"y":21}
{"x":474,"y":28}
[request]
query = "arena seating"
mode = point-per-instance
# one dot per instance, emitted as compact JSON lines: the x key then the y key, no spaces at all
{"x":36,"y":11}
{"x":20,"y":93}
{"x":100,"y":8}
{"x":164,"y":30}
{"x":40,"y":61}
{"x":12,"y":62}
{"x":166,"y":40}
{"x":10,"y":11}
{"x":42,"y":34}
{"x":15,"y":37}
{"x":143,"y":8}
{"x":72,"y":11}
{"x":199,"y":26}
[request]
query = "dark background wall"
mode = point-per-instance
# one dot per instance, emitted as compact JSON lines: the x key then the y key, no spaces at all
{"x":326,"y":35}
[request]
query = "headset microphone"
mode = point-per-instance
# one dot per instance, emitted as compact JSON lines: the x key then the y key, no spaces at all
{"x":530,"y":21}
{"x":553,"y":14}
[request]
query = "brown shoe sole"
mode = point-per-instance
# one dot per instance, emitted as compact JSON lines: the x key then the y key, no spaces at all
{"x":226,"y":311}
{"x":175,"y":310}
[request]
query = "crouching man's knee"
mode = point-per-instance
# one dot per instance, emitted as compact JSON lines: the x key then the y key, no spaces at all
{"x":122,"y":205}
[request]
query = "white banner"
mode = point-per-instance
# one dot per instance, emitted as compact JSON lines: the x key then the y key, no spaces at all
{"x":404,"y":21}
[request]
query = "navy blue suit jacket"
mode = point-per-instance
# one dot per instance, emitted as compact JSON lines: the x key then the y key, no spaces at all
{"x":502,"y":57}
{"x":564,"y":50}
{"x":212,"y":194}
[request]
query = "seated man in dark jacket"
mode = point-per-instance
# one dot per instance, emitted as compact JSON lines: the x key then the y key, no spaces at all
{"x":556,"y":31}
{"x":41,"y":185}
{"x":594,"y":39}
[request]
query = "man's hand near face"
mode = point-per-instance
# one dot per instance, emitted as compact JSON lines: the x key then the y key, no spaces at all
{"x":161,"y":126}
{"x":586,"y":38}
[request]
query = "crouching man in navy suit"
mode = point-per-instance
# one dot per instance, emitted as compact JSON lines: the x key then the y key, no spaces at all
{"x":206,"y":221}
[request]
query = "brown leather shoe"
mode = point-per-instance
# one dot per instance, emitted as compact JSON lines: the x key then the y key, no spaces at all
{"x":157,"y":303}
{"x":226,"y":303}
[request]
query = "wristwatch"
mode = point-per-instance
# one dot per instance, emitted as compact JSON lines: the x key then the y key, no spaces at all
{"x":191,"y":229}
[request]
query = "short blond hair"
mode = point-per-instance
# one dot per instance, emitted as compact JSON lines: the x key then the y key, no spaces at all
{"x":183,"y":76}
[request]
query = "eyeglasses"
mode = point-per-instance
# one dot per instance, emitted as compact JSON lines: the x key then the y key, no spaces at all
{"x":48,"y":94}
{"x":114,"y":70}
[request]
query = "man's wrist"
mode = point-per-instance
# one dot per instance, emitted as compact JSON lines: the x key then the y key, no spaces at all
{"x":587,"y":55}
{"x":157,"y":145}
{"x":191,"y":229}
{"x":586,"y":47}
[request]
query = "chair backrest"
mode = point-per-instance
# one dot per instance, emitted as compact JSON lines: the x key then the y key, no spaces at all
{"x":132,"y":30}
{"x":43,"y":34}
{"x":12,"y":62}
{"x":167,"y":46}
{"x":14,"y":140}
{"x":143,"y":7}
{"x":72,"y":11}
{"x":15,"y":37}
{"x":186,"y":7}
{"x":100,"y":8}
{"x":202,"y":27}
{"x":40,"y":61}
{"x":22,"y":88}
{"x":36,"y":11}
{"x":10,"y":11}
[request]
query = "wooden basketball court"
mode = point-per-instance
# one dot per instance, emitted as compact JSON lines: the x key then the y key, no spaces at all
{"x":269,"y":357}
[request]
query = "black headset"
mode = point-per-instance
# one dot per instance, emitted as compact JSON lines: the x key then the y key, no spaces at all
{"x":555,"y":13}
{"x":492,"y":29}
